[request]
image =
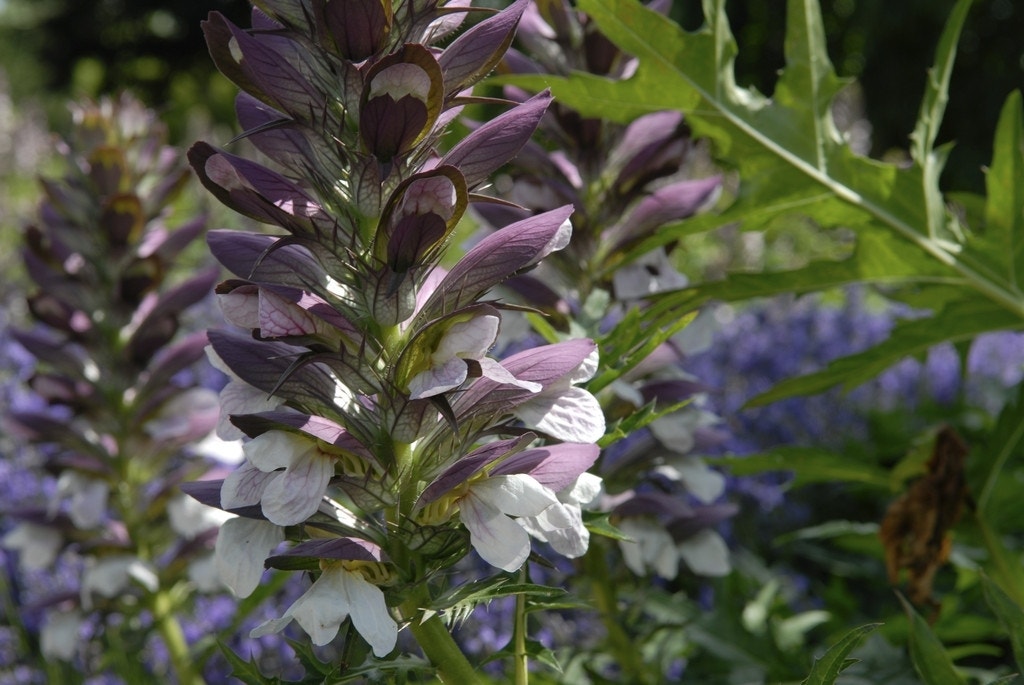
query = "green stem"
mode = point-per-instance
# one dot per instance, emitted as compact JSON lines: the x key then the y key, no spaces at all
{"x":522,"y":661}
{"x":438,"y":644}
{"x":174,"y":640}
{"x":625,"y":651}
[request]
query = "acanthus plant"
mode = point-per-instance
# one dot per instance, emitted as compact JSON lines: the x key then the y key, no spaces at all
{"x":117,"y":408}
{"x":382,"y":441}
{"x":623,"y":182}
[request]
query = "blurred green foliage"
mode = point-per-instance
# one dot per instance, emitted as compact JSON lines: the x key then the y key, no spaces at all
{"x":57,"y":49}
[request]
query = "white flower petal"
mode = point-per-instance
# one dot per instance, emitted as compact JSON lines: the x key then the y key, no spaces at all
{"x":144,"y":574}
{"x":562,"y":527}
{"x":676,"y":431}
{"x":240,"y":308}
{"x":244,"y":487}
{"x":517,"y":494}
{"x":322,"y":608}
{"x":649,"y":546}
{"x":107,"y":577}
{"x":60,"y":635}
{"x":702,"y":481}
{"x":499,"y":540}
{"x":293,"y":496}
{"x":190,"y":517}
{"x":490,"y":368}
{"x":88,"y":498}
{"x":37,"y":545}
{"x":434,"y":381}
{"x":558,"y":241}
{"x":665,"y":560}
{"x":216,"y":448}
{"x":279,"y":317}
{"x":652,"y":273}
{"x":369,"y":613}
{"x":242,"y":546}
{"x":587,"y":368}
{"x":270,"y":626}
{"x":276,"y":449}
{"x":468,"y":339}
{"x":202,"y":572}
{"x":706,"y":554}
{"x":238,"y":397}
{"x":632,"y":553}
{"x":573,"y":415}
{"x":584,"y":489}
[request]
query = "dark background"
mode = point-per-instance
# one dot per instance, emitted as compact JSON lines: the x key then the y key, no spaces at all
{"x":55,"y":49}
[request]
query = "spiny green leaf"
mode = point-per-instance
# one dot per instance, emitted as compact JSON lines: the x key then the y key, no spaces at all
{"x":959,"y":321}
{"x":633,"y":340}
{"x":477,"y":591}
{"x":931,"y":661}
{"x":534,"y":650}
{"x":599,"y":523}
{"x":834,"y":661}
{"x":637,"y":420}
{"x":392,"y":670}
{"x":463,"y":598}
{"x":246,"y":671}
{"x":309,"y":660}
{"x":1010,"y":615}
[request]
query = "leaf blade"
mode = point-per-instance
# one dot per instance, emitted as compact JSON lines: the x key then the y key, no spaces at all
{"x":834,"y":661}
{"x":930,"y":658}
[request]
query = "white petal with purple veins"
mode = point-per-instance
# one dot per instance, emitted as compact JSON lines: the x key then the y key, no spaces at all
{"x":434,"y":381}
{"x":294,"y":496}
{"x":574,"y":415}
{"x":244,"y":486}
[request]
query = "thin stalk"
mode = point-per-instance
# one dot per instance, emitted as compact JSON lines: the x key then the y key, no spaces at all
{"x":622,"y":647}
{"x":522,"y":661}
{"x":174,"y":639}
{"x":437,"y":643}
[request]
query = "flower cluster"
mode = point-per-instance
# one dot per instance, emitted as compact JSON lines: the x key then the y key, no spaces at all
{"x":381,"y":439}
{"x":623,"y":182}
{"x":114,"y":406}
